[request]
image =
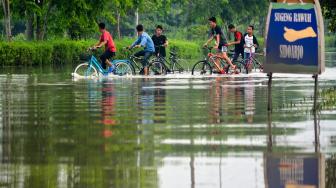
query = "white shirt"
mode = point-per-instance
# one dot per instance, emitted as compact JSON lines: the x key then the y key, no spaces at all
{"x":249,"y":43}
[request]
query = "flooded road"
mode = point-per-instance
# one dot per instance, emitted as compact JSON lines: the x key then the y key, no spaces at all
{"x":173,"y":131}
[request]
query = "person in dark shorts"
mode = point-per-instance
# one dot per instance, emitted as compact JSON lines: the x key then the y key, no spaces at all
{"x":144,"y":40}
{"x":110,"y":49}
{"x":238,"y":42}
{"x":217,"y":34}
{"x":160,"y":41}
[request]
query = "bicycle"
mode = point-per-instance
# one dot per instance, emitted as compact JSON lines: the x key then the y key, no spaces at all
{"x":94,"y":69}
{"x":251,"y":63}
{"x":155,"y":67}
{"x":172,"y":65}
{"x":206,"y":66}
{"x":238,"y":62}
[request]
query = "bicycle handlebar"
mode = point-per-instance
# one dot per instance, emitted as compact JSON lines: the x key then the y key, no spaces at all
{"x":208,"y":48}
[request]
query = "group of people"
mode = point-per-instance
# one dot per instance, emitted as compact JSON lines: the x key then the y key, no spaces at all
{"x":151,"y":45}
{"x":245,"y":45}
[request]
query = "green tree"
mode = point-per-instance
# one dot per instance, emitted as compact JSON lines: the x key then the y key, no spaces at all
{"x":7,"y":18}
{"x":329,"y":12}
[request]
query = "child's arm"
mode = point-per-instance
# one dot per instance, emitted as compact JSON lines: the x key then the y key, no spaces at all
{"x":239,"y":39}
{"x":135,"y":43}
{"x":209,"y":40}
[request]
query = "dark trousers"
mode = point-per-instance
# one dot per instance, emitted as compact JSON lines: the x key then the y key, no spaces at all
{"x":106,"y":55}
{"x":236,"y":55}
{"x":146,"y":55}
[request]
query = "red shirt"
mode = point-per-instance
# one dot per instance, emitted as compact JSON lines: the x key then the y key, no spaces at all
{"x":106,"y":36}
{"x":239,"y":37}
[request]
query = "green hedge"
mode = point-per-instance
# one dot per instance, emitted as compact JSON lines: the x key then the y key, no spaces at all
{"x":63,"y":51}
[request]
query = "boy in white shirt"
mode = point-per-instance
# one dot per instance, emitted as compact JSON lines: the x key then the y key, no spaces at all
{"x":250,"y":43}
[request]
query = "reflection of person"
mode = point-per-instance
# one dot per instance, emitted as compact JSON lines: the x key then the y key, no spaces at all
{"x":216,"y":95}
{"x":160,"y":103}
{"x":146,"y":103}
{"x":110,"y":49}
{"x":108,"y":108}
{"x":249,"y":92}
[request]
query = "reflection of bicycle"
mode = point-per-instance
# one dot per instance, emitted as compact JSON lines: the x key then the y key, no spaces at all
{"x":206,"y":66}
{"x":94,"y":69}
{"x":172,"y":65}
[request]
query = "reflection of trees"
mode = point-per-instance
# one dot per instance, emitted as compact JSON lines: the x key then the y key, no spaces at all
{"x":331,"y":172}
{"x":328,"y":99}
{"x":58,"y":143}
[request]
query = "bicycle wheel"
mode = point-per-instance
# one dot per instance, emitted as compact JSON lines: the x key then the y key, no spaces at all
{"x":86,"y":70}
{"x":249,"y":67}
{"x":202,"y":68}
{"x":157,"y":68}
{"x":123,"y":68}
{"x":258,"y":66}
{"x":177,"y":67}
{"x":241,"y":67}
{"x":229,"y":70}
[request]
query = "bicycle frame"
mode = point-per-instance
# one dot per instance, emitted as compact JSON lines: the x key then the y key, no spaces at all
{"x":251,"y":60}
{"x":134,"y":63}
{"x":94,"y":62}
{"x":211,"y":58}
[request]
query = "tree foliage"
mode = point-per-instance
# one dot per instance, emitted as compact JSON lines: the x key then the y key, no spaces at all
{"x":329,"y":11}
{"x":77,"y":19}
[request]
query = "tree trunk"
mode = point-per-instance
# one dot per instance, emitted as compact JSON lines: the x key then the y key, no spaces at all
{"x":38,"y":27}
{"x":118,"y":25}
{"x":261,"y":26}
{"x":136,"y":19}
{"x":39,"y":21}
{"x":30,"y":26}
{"x":165,"y":10}
{"x":7,"y":19}
{"x":45,"y":21}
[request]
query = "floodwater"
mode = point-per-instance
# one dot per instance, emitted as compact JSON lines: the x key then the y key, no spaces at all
{"x":177,"y":131}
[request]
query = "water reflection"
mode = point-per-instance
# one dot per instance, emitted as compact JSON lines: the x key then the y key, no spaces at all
{"x":295,"y":170}
{"x":163,"y":132}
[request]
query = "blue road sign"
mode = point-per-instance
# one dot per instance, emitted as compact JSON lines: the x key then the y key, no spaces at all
{"x":294,"y":39}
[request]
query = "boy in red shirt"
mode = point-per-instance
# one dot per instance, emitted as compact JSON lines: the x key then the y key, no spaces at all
{"x":110,"y":49}
{"x":238,"y":42}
